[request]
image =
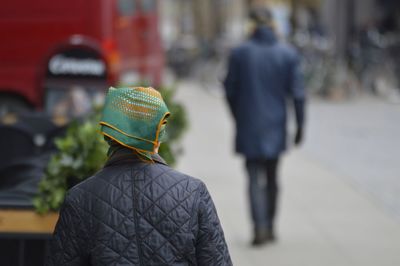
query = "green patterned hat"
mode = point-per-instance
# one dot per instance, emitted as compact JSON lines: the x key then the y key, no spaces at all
{"x":135,"y":118}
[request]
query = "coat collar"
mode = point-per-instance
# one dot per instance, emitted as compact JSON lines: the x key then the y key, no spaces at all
{"x":125,"y":155}
{"x":264,"y":34}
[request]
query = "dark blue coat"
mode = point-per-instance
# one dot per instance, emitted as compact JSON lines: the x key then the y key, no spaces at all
{"x":263,"y":74}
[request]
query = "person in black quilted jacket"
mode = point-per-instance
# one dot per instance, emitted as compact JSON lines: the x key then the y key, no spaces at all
{"x":137,"y":210}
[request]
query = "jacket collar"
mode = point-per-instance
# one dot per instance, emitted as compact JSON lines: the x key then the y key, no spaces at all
{"x":125,"y":155}
{"x":264,"y":34}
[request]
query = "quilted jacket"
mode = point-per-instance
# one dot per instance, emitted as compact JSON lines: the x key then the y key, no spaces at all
{"x":138,"y":213}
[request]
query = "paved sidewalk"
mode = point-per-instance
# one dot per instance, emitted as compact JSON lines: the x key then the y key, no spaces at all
{"x":324,"y":221}
{"x":359,"y":140}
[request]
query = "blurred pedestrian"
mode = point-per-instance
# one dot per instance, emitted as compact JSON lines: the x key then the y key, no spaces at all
{"x":137,"y":210}
{"x":263,"y":73}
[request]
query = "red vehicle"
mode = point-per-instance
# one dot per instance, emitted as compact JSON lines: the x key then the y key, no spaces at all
{"x":49,"y":45}
{"x":54,"y":53}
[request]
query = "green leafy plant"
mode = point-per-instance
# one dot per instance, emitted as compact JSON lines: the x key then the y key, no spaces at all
{"x":82,"y":152}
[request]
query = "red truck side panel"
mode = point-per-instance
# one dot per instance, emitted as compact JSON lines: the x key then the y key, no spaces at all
{"x":31,"y":31}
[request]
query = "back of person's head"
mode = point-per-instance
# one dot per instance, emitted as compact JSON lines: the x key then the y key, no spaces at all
{"x":134,"y":117}
{"x":261,"y":16}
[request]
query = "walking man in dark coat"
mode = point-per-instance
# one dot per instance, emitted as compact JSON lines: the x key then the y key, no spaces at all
{"x":263,"y":73}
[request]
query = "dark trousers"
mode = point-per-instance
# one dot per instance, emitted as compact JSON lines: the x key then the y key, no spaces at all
{"x":263,"y":191}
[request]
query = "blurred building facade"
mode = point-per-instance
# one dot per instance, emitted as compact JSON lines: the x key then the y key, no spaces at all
{"x":350,"y":39}
{"x":205,"y":20}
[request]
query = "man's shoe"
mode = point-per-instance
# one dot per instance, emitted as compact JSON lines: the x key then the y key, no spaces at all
{"x":262,"y":236}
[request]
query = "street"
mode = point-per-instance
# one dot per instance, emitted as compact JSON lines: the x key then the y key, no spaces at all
{"x":335,"y":208}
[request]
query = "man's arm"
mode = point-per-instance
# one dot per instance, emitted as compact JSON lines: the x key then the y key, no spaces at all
{"x":211,"y":248}
{"x":69,"y":243}
{"x":298,"y":94}
{"x":231,"y":81}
